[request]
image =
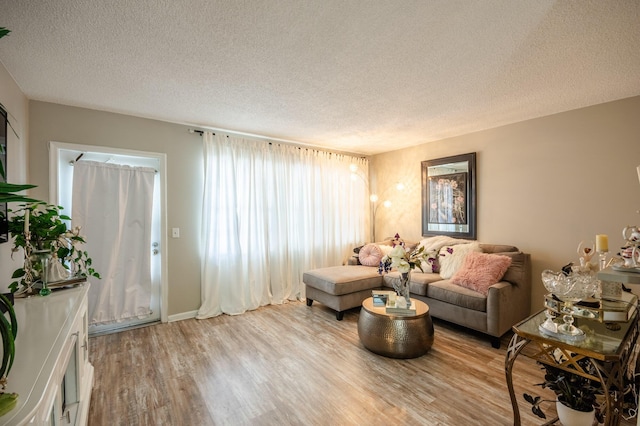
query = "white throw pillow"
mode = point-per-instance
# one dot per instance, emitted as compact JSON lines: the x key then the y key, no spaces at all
{"x":430,"y":264}
{"x":451,"y":258}
{"x":439,"y":241}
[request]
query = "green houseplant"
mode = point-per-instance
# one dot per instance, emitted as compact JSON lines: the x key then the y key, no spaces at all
{"x":572,"y":390}
{"x":47,"y":231}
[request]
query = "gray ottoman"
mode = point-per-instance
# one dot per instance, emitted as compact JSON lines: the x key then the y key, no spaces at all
{"x":341,"y":287}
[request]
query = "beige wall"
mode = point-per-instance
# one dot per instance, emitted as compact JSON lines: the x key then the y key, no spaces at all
{"x":52,"y":122}
{"x":543,"y":185}
{"x":17,"y":171}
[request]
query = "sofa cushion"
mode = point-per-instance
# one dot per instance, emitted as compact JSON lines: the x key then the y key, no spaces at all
{"x":480,"y":270}
{"x":517,"y":272}
{"x":370,"y":255}
{"x":452,"y":257}
{"x":346,"y":279}
{"x":448,"y":292}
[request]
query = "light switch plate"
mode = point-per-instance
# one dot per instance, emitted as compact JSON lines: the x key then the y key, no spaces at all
{"x":175,"y":232}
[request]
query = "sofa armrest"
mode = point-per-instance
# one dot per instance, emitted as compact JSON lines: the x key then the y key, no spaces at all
{"x":509,"y":302}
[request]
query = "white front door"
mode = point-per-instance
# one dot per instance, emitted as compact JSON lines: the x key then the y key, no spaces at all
{"x":62,"y":159}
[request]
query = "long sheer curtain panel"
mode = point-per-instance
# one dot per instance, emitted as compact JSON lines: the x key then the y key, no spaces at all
{"x":270,"y":212}
{"x":113,"y":205}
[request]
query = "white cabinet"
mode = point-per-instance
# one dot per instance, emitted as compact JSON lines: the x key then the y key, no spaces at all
{"x":51,"y":373}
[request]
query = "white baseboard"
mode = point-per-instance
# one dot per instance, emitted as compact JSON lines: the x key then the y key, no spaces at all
{"x":182,"y":316}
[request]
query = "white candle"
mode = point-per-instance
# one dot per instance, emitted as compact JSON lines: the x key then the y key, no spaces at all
{"x":26,"y":222}
{"x":602,"y":243}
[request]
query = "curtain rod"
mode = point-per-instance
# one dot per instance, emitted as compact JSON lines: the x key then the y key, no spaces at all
{"x":277,"y":141}
{"x":73,"y":162}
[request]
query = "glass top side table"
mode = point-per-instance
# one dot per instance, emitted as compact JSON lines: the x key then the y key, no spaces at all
{"x":608,"y":346}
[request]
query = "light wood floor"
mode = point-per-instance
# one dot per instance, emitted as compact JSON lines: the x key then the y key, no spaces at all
{"x":296,"y":365}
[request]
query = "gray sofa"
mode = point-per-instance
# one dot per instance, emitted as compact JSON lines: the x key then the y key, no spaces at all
{"x":508,"y":301}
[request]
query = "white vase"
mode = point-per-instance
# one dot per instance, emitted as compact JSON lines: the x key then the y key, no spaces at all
{"x":570,"y":417}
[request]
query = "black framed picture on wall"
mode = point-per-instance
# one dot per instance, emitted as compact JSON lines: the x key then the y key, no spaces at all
{"x":4,"y":224}
{"x":449,"y":196}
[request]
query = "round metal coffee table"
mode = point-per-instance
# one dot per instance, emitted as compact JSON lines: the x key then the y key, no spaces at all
{"x":395,"y":335}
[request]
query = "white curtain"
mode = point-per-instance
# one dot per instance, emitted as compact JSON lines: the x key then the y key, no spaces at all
{"x":113,"y":204}
{"x":271,"y":212}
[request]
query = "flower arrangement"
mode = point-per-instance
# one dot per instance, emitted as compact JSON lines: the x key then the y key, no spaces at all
{"x":404,"y":262}
{"x":400,"y":259}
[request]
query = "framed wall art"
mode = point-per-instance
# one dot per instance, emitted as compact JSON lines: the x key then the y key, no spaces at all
{"x":4,"y":224}
{"x":449,"y":196}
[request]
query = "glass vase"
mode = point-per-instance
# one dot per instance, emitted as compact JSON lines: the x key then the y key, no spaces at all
{"x":405,"y":278}
{"x":42,"y":258}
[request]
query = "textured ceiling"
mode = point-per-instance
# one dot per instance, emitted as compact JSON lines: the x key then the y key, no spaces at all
{"x":357,"y":76}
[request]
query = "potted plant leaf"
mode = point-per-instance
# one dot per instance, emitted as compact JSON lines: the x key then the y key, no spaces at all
{"x":8,"y":193}
{"x":8,"y":332}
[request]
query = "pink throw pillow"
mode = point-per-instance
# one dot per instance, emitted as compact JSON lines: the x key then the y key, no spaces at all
{"x":370,"y":255}
{"x":481,"y":270}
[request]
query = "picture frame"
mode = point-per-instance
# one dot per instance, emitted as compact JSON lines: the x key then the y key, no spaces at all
{"x":449,"y":196}
{"x":4,"y":218}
